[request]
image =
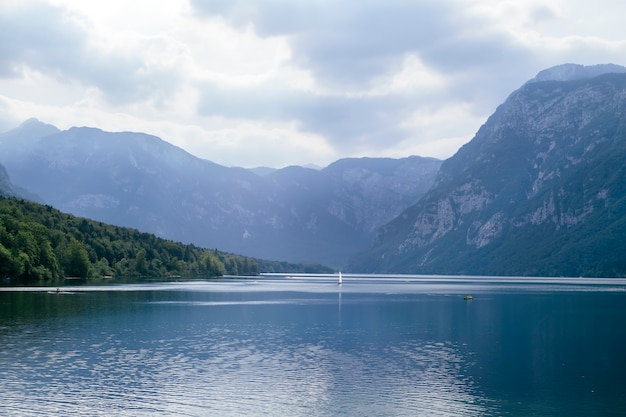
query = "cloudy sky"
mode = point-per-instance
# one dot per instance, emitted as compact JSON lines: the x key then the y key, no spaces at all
{"x":280,"y":82}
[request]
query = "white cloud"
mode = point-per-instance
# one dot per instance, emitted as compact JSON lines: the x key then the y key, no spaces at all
{"x":433,"y":131}
{"x":278,"y":144}
{"x":276,"y":82}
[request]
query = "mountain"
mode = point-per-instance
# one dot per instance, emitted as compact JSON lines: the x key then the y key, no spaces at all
{"x":6,"y":188}
{"x":334,"y":212}
{"x":262,"y":171}
{"x":572,"y":72}
{"x":136,"y":180}
{"x":539,"y":190}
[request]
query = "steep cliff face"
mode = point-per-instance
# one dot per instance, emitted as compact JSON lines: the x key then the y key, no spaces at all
{"x":369,"y":192}
{"x":6,"y":188}
{"x":539,"y":190}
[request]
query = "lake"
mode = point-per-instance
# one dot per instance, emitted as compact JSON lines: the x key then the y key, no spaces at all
{"x":305,"y":346}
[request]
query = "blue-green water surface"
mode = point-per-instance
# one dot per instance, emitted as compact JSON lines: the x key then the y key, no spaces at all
{"x":305,"y":346}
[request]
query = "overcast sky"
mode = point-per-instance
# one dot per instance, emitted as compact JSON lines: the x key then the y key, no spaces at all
{"x":281,"y":82}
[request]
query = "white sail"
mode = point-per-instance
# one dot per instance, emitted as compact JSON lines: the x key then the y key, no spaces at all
{"x":340,"y":279}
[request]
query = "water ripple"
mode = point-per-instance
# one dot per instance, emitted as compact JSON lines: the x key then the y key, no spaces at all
{"x":218,"y":372}
{"x":271,"y":354}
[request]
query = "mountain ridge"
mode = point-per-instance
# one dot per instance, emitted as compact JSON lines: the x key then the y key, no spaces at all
{"x":572,"y":72}
{"x":136,"y":180}
{"x":523,"y":186}
{"x":539,"y":190}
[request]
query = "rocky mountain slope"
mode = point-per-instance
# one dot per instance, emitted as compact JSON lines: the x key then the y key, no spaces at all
{"x":136,"y":180}
{"x":6,"y":188}
{"x":540,"y":189}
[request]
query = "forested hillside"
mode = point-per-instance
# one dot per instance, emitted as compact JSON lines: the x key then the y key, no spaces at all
{"x":38,"y":242}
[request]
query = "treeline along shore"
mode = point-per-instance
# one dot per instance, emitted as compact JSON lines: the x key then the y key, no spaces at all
{"x":40,"y":243}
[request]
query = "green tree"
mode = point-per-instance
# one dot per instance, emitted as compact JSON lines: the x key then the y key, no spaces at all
{"x":9,"y":266}
{"x":102,"y":267}
{"x":77,"y":260}
{"x":212,"y":265}
{"x":141,"y":266}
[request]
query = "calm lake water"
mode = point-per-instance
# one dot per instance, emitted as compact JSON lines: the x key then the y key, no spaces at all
{"x":384,"y":346}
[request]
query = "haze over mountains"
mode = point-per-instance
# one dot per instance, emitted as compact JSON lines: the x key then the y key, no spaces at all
{"x":540,"y":190}
{"x":137,"y":180}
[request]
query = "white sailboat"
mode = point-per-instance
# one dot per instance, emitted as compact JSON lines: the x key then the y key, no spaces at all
{"x":340,"y":281}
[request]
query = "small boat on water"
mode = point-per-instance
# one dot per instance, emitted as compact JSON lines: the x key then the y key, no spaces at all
{"x":340,"y":280}
{"x":468,"y":297}
{"x":59,"y":291}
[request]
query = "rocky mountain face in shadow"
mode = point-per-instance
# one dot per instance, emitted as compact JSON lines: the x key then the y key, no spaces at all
{"x":137,"y":180}
{"x":6,"y":188}
{"x":540,"y":189}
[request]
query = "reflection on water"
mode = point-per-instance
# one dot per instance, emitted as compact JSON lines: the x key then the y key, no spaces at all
{"x":280,"y":347}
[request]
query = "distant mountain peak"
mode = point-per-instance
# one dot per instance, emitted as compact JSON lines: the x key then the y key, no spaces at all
{"x":34,"y":123}
{"x":32,"y":128}
{"x":32,"y":120}
{"x":25,"y":135}
{"x":571,"y":72}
